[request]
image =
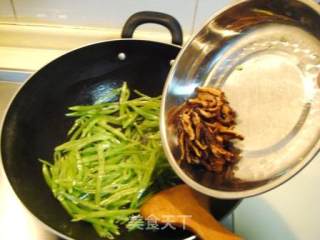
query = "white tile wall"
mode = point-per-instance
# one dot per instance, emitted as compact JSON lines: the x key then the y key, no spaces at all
{"x":108,"y":13}
{"x":6,"y":11}
{"x":192,"y":14}
{"x":206,"y":8}
{"x":101,"y":13}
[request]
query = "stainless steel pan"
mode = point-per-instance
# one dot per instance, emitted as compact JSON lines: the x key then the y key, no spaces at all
{"x":265,"y":55}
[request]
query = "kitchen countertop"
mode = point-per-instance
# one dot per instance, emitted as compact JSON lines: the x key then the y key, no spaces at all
{"x":24,"y":51}
{"x":289,"y":212}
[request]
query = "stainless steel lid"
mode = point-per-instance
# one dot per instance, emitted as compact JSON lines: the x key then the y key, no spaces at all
{"x":265,"y":55}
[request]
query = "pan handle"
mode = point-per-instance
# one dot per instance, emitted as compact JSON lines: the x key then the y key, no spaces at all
{"x":163,"y":19}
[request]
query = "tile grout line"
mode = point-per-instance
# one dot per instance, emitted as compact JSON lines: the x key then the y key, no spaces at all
{"x":13,"y":9}
{"x":195,"y":13}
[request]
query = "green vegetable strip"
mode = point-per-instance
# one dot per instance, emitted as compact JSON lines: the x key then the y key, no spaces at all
{"x":111,"y":162}
{"x":100,"y":174}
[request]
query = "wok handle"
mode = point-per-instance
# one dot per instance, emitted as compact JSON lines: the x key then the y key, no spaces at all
{"x":163,"y":19}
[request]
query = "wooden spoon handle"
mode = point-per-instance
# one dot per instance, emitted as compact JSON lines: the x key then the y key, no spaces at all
{"x":205,"y":225}
{"x":182,"y":201}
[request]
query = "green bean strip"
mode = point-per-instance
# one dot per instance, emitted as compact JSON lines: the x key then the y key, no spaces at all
{"x":100,"y":174}
{"x":111,"y":162}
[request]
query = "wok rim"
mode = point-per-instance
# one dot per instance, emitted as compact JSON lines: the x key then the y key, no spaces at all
{"x":21,"y":87}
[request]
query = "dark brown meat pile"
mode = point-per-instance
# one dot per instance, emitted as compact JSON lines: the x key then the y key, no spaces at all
{"x":205,"y":126}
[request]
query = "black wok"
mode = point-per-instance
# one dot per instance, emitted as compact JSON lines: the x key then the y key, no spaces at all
{"x":35,"y":121}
